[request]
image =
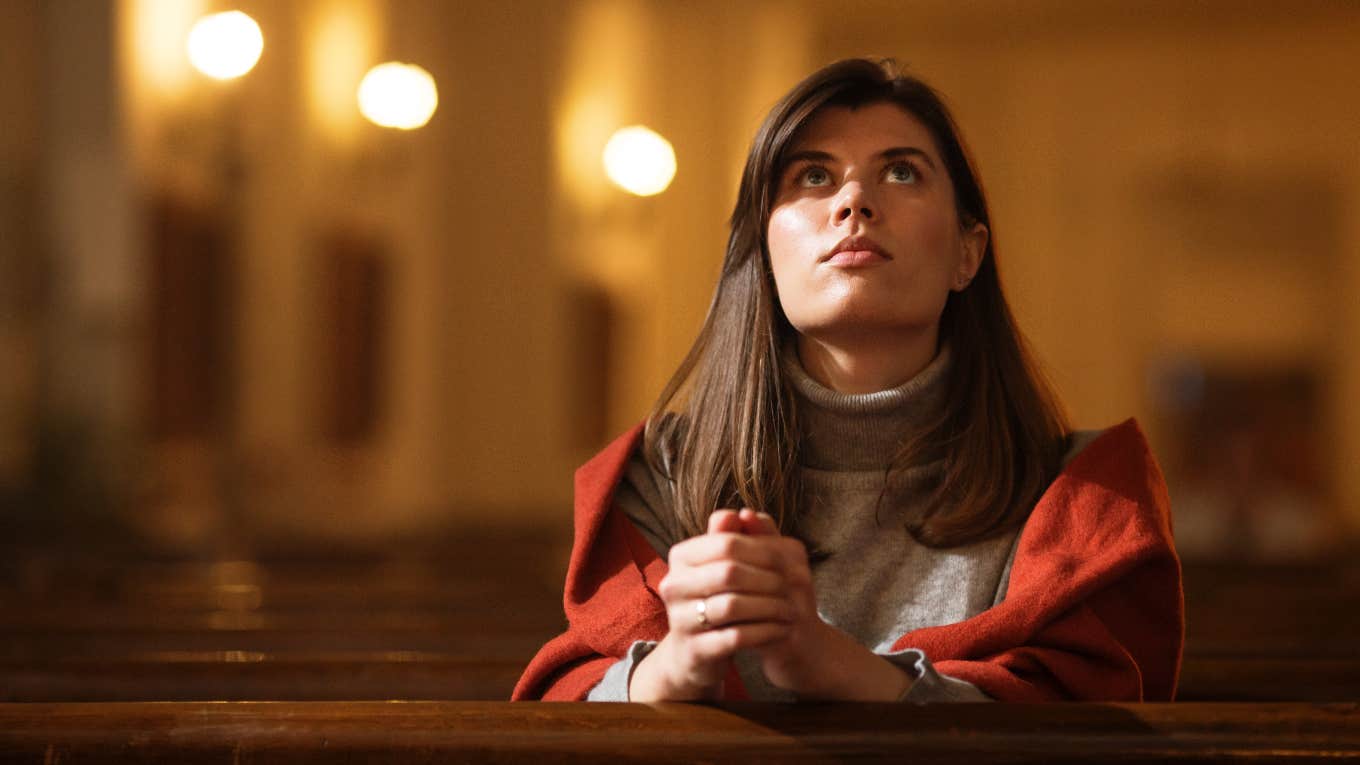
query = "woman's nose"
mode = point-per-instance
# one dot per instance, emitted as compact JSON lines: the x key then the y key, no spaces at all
{"x":853,"y":202}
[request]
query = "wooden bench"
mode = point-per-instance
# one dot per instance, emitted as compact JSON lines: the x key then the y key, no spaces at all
{"x":247,"y":676}
{"x":319,"y":676}
{"x":347,"y":629}
{"x":463,"y":627}
{"x":422,"y":732}
{"x":1257,"y":678}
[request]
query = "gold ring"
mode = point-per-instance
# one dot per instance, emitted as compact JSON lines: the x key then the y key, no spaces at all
{"x":701,"y":610}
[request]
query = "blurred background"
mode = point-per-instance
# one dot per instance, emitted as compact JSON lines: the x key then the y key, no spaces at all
{"x":262,"y":354}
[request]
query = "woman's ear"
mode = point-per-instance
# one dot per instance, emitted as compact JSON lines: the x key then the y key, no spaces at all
{"x":974,"y":242}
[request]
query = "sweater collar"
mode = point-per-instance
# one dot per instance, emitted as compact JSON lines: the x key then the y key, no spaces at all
{"x":861,"y":431}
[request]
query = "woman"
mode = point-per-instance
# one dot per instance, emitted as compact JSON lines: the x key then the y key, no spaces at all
{"x":857,"y":486}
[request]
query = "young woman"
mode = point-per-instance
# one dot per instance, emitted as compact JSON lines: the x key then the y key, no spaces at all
{"x":857,"y":485}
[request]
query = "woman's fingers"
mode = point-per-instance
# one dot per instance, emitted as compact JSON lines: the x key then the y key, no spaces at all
{"x":727,"y":609}
{"x":700,"y":615}
{"x":743,"y":521}
{"x":757,"y":524}
{"x":792,"y":553}
{"x":707,"y":548}
{"x":724,"y":521}
{"x":690,"y":582}
{"x":778,"y":553}
{"x":717,"y":645}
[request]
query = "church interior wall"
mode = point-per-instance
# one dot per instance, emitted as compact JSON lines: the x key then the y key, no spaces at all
{"x":1175,"y":198}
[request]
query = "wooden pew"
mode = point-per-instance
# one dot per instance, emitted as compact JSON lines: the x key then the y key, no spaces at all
{"x":245,"y":676}
{"x":113,"y":630}
{"x":1272,"y":632}
{"x":1279,"y":611}
{"x":292,"y":630}
{"x":302,"y":608}
{"x":664,"y":733}
{"x":1265,"y":678}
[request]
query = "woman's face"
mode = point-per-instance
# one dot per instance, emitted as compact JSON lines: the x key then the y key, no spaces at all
{"x":864,"y":236}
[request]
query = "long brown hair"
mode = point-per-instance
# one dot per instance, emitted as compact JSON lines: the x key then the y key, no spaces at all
{"x":728,"y":416}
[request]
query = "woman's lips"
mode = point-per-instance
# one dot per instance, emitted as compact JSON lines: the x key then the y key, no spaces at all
{"x":855,"y":258}
{"x":856,"y":251}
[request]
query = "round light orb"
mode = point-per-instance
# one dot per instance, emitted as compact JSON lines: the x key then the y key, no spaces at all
{"x":397,"y":95}
{"x":639,"y":161}
{"x":225,"y":45}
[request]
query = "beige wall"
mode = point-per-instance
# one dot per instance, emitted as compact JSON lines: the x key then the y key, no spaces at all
{"x":471,"y":415}
{"x":675,"y":72}
{"x":1172,"y":181}
{"x":1089,"y":127}
{"x":1167,"y":182}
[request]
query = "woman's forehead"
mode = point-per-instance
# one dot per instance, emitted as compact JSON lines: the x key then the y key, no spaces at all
{"x":871,"y":127}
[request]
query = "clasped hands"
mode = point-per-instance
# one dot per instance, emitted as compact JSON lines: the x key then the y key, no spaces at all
{"x":740,"y":586}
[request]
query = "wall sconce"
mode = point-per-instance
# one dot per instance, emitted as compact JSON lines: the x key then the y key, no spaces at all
{"x":226,"y":45}
{"x":397,"y":95}
{"x":639,"y":161}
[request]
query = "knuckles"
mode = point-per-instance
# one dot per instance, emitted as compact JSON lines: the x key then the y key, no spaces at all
{"x":795,"y":549}
{"x":666,"y":589}
{"x":728,"y":545}
{"x":720,"y":607}
{"x":729,"y":574}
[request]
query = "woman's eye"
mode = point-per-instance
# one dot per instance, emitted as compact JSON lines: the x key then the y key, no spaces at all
{"x":815,"y":176}
{"x":901,"y":173}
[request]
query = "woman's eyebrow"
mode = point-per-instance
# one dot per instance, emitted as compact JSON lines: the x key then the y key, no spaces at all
{"x":897,"y":152}
{"x":808,"y":155}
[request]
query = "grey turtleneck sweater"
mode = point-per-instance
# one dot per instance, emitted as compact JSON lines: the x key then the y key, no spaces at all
{"x":877,"y":583}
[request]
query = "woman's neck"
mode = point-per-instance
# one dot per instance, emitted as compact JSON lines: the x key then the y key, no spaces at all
{"x":868,"y":363}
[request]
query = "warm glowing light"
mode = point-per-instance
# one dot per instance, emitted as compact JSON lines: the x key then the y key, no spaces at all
{"x":639,"y":161}
{"x":340,"y":43}
{"x":152,"y":36}
{"x":225,"y":45}
{"x":398,"y":95}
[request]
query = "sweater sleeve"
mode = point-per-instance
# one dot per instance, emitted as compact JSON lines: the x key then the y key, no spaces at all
{"x":614,"y":685}
{"x":928,"y":686}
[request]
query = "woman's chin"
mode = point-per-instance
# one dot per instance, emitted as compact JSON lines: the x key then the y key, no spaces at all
{"x":850,"y":326}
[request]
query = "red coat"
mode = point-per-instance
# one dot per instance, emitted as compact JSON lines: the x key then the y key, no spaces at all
{"x":1094,"y":610}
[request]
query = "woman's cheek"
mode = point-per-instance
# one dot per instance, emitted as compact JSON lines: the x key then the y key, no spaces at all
{"x":791,"y":294}
{"x":784,"y":238}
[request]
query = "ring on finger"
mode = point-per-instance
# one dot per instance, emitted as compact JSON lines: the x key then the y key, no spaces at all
{"x":701,"y":613}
